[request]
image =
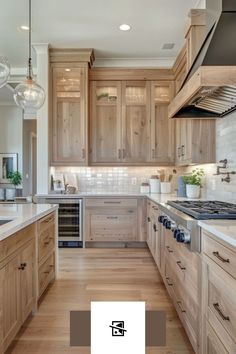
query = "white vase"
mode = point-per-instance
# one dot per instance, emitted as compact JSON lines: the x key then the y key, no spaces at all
{"x":192,"y":191}
{"x":165,"y":187}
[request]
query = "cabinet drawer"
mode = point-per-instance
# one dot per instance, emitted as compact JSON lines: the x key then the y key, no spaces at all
{"x":46,"y":241}
{"x":114,"y":227}
{"x":221,"y":299}
{"x":12,"y":243}
{"x":212,"y":344}
{"x":112,"y":202}
{"x":46,"y":222}
{"x":46,"y":274}
{"x":220,"y":254}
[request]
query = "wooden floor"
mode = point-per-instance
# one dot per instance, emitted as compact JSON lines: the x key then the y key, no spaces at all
{"x":98,"y":274}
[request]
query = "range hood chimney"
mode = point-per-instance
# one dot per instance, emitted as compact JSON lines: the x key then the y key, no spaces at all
{"x":209,"y":90}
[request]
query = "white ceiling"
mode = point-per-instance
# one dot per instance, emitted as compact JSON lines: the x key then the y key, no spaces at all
{"x":94,"y":24}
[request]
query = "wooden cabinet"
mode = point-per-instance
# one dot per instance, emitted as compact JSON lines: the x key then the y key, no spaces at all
{"x":129,"y":123}
{"x":105,"y":122}
{"x":195,"y":141}
{"x":218,"y":296}
{"x":114,"y":220}
{"x":135,"y":121}
{"x":17,"y":279}
{"x":162,"y":128}
{"x":10,"y":307}
{"x":28,"y":279}
{"x":182,"y":278}
{"x":46,"y":243}
{"x":155,"y":235}
{"x":69,"y":114}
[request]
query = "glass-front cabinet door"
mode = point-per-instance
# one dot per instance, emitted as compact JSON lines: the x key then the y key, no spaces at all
{"x":135,"y":121}
{"x":162,"y":128}
{"x":69,"y":115}
{"x":105,"y":122}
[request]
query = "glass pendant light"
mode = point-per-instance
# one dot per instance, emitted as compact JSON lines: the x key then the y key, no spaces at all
{"x":28,"y":94}
{"x":4,"y":71}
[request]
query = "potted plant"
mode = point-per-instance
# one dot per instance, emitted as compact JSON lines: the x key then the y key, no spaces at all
{"x":15,"y":179}
{"x":193,"y":183}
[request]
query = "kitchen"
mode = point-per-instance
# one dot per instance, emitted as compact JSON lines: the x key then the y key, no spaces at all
{"x":117,"y":183}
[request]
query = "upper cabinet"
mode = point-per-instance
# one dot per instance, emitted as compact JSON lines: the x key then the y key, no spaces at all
{"x":135,"y":121}
{"x":69,"y":108}
{"x":195,"y":141}
{"x":162,"y":128}
{"x":129,"y":124}
{"x":105,"y":121}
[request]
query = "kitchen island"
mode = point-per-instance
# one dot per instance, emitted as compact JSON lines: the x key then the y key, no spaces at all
{"x":28,"y":263}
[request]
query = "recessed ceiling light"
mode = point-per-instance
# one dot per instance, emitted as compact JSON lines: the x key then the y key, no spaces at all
{"x":125,"y":27}
{"x":24,"y":28}
{"x":68,"y":69}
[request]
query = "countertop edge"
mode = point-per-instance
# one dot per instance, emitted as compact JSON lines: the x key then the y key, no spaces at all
{"x":217,"y":233}
{"x":22,"y":224}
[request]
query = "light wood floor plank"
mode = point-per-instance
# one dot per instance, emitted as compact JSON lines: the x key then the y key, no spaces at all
{"x":98,"y":274}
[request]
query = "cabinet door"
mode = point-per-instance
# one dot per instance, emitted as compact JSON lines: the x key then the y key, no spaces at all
{"x":183,"y":150}
{"x":135,"y":121}
{"x":162,"y":128}
{"x":28,"y":280}
{"x":105,"y":122}
{"x":212,"y":344}
{"x":69,"y":115}
{"x":10,"y":306}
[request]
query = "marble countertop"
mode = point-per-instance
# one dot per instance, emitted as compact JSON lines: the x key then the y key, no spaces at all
{"x":223,"y":229}
{"x":21,"y":215}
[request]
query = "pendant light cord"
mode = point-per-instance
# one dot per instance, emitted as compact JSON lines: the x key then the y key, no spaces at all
{"x":30,"y":59}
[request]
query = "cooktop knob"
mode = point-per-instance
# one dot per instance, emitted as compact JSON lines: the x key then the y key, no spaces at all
{"x":168,"y":224}
{"x":161,"y":218}
{"x":175,"y":232}
{"x":165,"y":220}
{"x":183,"y":237}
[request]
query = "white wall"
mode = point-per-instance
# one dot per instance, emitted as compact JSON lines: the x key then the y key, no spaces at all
{"x":11,"y":135}
{"x":214,"y":188}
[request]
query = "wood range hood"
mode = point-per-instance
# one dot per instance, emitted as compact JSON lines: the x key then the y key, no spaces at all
{"x":209,"y":90}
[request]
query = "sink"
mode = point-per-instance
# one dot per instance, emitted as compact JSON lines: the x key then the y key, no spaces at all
{"x":5,"y":221}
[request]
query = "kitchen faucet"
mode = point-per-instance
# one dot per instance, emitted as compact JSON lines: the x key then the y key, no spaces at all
{"x":218,"y":172}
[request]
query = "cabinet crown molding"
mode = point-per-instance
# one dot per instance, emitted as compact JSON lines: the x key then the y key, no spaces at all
{"x":71,"y":55}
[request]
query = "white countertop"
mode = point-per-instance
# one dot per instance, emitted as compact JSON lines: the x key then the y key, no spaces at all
{"x":223,"y":229}
{"x":89,"y":194}
{"x":21,"y":215}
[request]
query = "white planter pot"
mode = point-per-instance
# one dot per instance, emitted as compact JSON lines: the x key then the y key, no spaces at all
{"x":192,"y":191}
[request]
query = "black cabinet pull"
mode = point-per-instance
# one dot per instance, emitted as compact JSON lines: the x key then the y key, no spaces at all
{"x":155,"y":227}
{"x":217,"y":308}
{"x":180,"y":266}
{"x":217,"y":255}
{"x":169,"y":282}
{"x":169,"y":249}
{"x":148,"y":219}
{"x":180,"y":306}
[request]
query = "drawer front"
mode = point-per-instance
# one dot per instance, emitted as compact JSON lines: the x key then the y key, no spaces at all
{"x":220,"y":254}
{"x":46,"y":222}
{"x":46,"y":274}
{"x":12,"y":243}
{"x":111,"y":202}
{"x":221,"y":299}
{"x":189,"y":314}
{"x":114,"y":227}
{"x":212,"y":344}
{"x":46,"y":241}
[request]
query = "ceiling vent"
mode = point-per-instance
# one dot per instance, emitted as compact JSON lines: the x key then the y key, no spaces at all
{"x":168,"y":46}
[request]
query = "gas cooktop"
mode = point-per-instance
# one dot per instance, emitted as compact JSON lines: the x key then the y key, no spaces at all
{"x":204,"y":210}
